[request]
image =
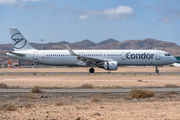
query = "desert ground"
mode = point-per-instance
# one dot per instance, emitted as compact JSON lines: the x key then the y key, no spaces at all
{"x":97,"y":80}
{"x":86,"y":69}
{"x":90,"y":106}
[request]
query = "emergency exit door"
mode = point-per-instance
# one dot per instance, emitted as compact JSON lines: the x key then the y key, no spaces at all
{"x":123,"y":56}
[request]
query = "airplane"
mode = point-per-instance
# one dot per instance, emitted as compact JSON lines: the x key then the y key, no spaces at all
{"x":106,"y":59}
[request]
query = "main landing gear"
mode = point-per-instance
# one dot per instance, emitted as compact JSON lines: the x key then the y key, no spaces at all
{"x":157,"y":71}
{"x":91,"y":70}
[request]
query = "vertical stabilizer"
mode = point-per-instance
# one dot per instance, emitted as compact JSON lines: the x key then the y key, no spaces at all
{"x":18,"y":40}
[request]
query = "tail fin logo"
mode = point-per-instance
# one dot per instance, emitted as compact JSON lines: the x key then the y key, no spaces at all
{"x":18,"y":41}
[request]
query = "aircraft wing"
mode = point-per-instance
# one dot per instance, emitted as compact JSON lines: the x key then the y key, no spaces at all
{"x":86,"y":59}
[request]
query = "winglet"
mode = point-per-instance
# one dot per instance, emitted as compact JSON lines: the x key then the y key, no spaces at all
{"x":70,"y":51}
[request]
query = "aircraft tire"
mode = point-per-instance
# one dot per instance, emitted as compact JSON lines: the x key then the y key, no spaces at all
{"x":157,"y":71}
{"x":91,"y":70}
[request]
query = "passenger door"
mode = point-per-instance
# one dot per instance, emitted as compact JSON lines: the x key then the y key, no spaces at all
{"x":158,"y":57}
{"x":35,"y":55}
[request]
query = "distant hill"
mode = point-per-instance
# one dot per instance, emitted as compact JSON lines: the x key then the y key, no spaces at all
{"x":6,"y":47}
{"x":85,"y":43}
{"x":148,"y":43}
{"x":110,"y":40}
{"x":48,"y":45}
{"x":110,"y":43}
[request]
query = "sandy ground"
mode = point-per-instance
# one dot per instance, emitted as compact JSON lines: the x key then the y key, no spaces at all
{"x":79,"y":106}
{"x":86,"y":69}
{"x":97,"y":80}
{"x":73,"y":81}
{"x":111,"y":106}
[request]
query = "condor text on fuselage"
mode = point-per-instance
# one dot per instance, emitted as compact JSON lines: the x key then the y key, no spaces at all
{"x":130,"y":55}
{"x":106,"y":59}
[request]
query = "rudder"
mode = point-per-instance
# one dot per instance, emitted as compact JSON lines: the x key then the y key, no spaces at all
{"x":18,"y":40}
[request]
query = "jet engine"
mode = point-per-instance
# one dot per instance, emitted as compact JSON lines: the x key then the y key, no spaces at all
{"x":112,"y":65}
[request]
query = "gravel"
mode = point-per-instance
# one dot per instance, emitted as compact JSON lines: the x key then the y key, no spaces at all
{"x":79,"y":106}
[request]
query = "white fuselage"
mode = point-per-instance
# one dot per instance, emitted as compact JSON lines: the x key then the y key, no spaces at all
{"x":123,"y":57}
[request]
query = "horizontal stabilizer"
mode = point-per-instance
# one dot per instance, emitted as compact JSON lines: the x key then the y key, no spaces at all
{"x":18,"y":54}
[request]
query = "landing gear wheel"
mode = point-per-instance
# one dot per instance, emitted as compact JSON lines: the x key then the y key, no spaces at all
{"x":91,"y":70}
{"x":157,"y":71}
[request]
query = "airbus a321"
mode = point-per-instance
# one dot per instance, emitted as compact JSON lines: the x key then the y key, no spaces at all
{"x":106,"y":59}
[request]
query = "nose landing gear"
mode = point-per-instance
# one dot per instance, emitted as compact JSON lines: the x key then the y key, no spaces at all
{"x":157,"y":71}
{"x":91,"y":70}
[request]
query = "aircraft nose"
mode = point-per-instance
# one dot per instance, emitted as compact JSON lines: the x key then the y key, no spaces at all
{"x":174,"y":60}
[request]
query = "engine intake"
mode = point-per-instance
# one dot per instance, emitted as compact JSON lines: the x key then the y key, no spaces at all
{"x":113,"y":65}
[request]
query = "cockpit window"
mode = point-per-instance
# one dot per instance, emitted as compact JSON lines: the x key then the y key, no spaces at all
{"x":167,"y":54}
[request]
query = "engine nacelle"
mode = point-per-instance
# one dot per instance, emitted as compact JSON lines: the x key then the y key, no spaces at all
{"x":112,"y":65}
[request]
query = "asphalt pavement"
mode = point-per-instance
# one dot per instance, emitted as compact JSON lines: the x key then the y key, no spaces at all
{"x":89,"y":90}
{"x":86,"y":73}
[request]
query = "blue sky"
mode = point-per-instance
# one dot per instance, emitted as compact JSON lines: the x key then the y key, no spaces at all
{"x":96,"y":20}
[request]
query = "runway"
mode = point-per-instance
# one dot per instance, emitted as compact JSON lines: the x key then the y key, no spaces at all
{"x":86,"y":73}
{"x":89,"y":90}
